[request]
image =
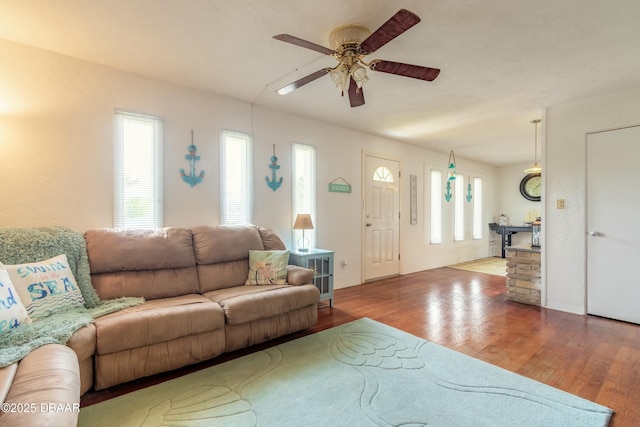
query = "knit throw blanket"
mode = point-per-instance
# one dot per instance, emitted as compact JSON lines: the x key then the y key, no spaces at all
{"x":24,"y":245}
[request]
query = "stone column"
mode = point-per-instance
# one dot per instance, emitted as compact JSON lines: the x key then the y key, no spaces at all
{"x":523,"y":274}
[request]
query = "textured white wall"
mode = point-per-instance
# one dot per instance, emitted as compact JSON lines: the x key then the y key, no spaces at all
{"x":56,"y":151}
{"x":565,"y":178}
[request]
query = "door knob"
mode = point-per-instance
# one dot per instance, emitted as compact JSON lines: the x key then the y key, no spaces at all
{"x":368,"y":224}
{"x":594,"y":233}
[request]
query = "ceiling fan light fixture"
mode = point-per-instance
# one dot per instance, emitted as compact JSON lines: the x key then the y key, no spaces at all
{"x":351,"y":43}
{"x":340,"y":77}
{"x":536,"y":167}
{"x":348,"y":35}
{"x":359,"y":74}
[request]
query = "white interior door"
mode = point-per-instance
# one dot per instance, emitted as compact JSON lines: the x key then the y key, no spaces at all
{"x":382,"y":218}
{"x":613,"y":241}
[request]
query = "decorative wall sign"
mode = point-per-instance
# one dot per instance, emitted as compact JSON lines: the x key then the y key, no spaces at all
{"x":192,"y":179}
{"x":413,"y":182}
{"x":335,"y":187}
{"x":274,"y":184}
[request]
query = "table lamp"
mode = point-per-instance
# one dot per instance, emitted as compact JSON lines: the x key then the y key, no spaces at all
{"x":303,"y":222}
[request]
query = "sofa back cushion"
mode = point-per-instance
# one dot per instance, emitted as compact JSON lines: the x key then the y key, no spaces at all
{"x":153,"y":264}
{"x":222,"y":253}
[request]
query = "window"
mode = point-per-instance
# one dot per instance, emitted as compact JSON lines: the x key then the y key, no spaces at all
{"x":477,"y":208}
{"x":236,"y":177}
{"x":304,"y":189}
{"x":138,"y":171}
{"x":382,"y":174}
{"x":458,"y":229}
{"x":436,"y":207}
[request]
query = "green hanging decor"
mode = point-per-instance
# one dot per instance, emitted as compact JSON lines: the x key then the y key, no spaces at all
{"x":452,"y":166}
{"x":192,"y":179}
{"x":447,"y":195}
{"x":275,"y":183}
{"x":451,"y":172}
{"x":469,"y":196}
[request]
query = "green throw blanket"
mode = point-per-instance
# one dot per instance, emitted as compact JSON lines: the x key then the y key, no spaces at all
{"x":23,"y":245}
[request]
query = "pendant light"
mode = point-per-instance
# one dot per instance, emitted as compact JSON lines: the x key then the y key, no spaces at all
{"x":536,"y":167}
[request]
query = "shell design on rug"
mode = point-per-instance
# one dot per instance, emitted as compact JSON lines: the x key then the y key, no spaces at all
{"x":210,"y":404}
{"x":383,"y":360}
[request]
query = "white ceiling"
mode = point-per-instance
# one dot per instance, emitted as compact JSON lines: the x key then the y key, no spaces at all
{"x":502,"y":61}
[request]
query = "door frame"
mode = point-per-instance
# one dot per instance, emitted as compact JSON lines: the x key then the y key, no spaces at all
{"x":363,"y":220}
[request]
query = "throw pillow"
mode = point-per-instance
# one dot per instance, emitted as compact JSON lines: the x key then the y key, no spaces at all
{"x":267,"y":267}
{"x":46,"y":287}
{"x":12,"y":311}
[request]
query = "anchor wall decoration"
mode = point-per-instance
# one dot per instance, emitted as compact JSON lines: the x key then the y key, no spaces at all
{"x":274,"y":184}
{"x":192,"y":179}
{"x":447,"y":195}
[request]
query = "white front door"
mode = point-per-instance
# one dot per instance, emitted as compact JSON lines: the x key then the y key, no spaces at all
{"x":382,"y":218}
{"x":613,"y":227}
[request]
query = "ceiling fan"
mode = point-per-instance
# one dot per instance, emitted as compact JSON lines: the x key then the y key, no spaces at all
{"x":351,"y":43}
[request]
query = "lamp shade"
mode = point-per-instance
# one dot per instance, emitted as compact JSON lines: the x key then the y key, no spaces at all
{"x":303,"y":222}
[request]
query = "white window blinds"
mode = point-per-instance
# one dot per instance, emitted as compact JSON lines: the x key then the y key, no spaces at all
{"x":459,"y":196}
{"x":304,"y":189}
{"x":478,"y":224}
{"x":138,"y":171}
{"x":236,"y":178}
{"x":436,"y":207}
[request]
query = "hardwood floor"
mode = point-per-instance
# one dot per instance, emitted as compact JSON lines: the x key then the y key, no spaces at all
{"x":595,"y":358}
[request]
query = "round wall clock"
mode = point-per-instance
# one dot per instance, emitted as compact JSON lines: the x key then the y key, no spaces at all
{"x":531,"y":187}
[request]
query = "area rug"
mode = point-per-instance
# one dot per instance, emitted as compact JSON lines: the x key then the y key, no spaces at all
{"x":362,"y":373}
{"x":489,"y":265}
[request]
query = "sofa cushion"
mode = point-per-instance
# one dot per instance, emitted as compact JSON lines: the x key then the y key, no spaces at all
{"x":46,"y":287}
{"x":157,"y":321}
{"x":149,"y":284}
{"x":222,"y":254}
{"x":112,"y":250}
{"x":267,"y":267}
{"x":271,"y":240}
{"x":223,"y":275}
{"x":12,"y":312}
{"x":152,"y":264}
{"x":244,"y":304}
{"x":222,"y":243}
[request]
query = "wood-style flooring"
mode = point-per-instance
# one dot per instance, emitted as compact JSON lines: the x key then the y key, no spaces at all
{"x":595,"y":358}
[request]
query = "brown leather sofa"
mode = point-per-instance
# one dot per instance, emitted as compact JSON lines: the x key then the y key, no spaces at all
{"x":43,"y":389}
{"x":196,"y":307}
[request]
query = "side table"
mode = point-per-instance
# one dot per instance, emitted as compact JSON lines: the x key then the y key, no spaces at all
{"x":321,"y":262}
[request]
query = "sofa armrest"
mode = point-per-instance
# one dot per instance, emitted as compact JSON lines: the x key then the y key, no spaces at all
{"x":297,"y":275}
{"x":45,"y":389}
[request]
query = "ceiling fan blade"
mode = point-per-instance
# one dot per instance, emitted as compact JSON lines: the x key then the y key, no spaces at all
{"x":396,"y":25}
{"x":301,"y":82}
{"x":303,"y":43}
{"x":406,"y":70}
{"x":356,"y":95}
